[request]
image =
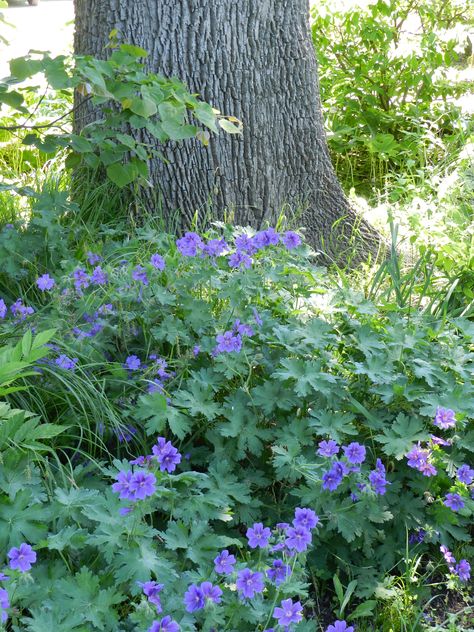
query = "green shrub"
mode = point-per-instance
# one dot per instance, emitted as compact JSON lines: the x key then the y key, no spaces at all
{"x":245,"y":370}
{"x":385,"y":86}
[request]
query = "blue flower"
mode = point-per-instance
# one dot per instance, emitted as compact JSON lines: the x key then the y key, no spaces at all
{"x":157,"y":262}
{"x":98,"y":276}
{"x":228,"y":342}
{"x":340,"y":626}
{"x":166,"y":454}
{"x":454,"y":502}
{"x":4,"y":605}
{"x":291,"y":240}
{"x":81,"y":279}
{"x":240,"y":260}
{"x":132,"y":363}
{"x":328,"y":448}
{"x":139,"y":274}
{"x":465,"y":474}
{"x":211,"y":592}
{"x":45,"y":283}
{"x":279,"y":572}
{"x":288,"y":613}
{"x":298,"y":539}
{"x":3,"y":308}
{"x":22,"y":558}
{"x":190,"y":244}
{"x":224,"y":563}
{"x":194,"y":599}
{"x":354,"y":453}
{"x":445,"y":418}
{"x":305,"y":518}
{"x":66,"y":363}
{"x":93,"y":258}
{"x":258,"y":536}
{"x":165,"y":625}
{"x":249,"y":583}
{"x":152,"y":590}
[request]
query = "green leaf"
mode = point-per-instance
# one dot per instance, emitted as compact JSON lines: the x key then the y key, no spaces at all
{"x":143,"y":107}
{"x":364,"y":609}
{"x":398,"y":439}
{"x":231,"y":127}
{"x":121,"y":175}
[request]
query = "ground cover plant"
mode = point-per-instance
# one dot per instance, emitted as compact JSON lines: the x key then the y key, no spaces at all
{"x":213,"y":394}
{"x":212,"y":431}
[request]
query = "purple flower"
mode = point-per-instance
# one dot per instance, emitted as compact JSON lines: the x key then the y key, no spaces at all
{"x":283,"y":526}
{"x":166,"y":454}
{"x":448,"y":556}
{"x":249,"y":583}
{"x":81,"y":279}
{"x":21,"y":311}
{"x":194,"y":599}
{"x":265,"y":238}
{"x":152,"y":590}
{"x":258,"y":536}
{"x":463,"y":570}
{"x":157,"y":262}
{"x":45,"y":282}
{"x":3,"y":308}
{"x":340,"y":626}
{"x":165,"y":625}
{"x":4,"y":605}
{"x":66,"y":363}
{"x":196,"y":350}
{"x":288,"y":612}
{"x":418,"y":536}
{"x":155,"y":386}
{"x":445,"y":418}
{"x":279,"y":572}
{"x":240,"y":260}
{"x":228,"y":342}
{"x":122,"y":486}
{"x":298,"y":538}
{"x":377,"y":478}
{"x":189,"y":244}
{"x":243,"y":329}
{"x":328,"y":448}
{"x":99,"y":277}
{"x":256,"y":315}
{"x":93,"y":258}
{"x":333,"y":478}
{"x":354,"y":453}
{"x":142,"y":484}
{"x":22,"y":558}
{"x":124,"y":511}
{"x":439,"y":441}
{"x":465,"y":474}
{"x":291,"y":240}
{"x":245,"y":244}
{"x":215,"y":247}
{"x":453,"y":501}
{"x":3,"y":577}
{"x":211,"y":592}
{"x":139,"y":274}
{"x":418,"y":459}
{"x":132,"y":363}
{"x":224,"y":563}
{"x":305,"y":518}
{"x":125,"y":433}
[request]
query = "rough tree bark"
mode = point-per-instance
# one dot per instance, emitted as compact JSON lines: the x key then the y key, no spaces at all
{"x":253,"y":59}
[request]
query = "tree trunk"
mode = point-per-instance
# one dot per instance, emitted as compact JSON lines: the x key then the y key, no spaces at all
{"x":253,"y":59}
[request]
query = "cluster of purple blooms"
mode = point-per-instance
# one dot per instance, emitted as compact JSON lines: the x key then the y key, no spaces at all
{"x":354,"y":455}
{"x":95,"y":321}
{"x":192,"y":245}
{"x":139,"y":484}
{"x":65,"y":362}
{"x":462,"y":568}
{"x":18,"y":309}
{"x":231,"y":341}
{"x":159,"y":367}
